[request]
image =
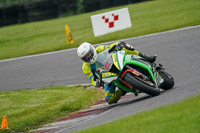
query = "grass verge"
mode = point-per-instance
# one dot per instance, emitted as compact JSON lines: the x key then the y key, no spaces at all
{"x":147,"y":17}
{"x":183,"y":117}
{"x":30,"y":109}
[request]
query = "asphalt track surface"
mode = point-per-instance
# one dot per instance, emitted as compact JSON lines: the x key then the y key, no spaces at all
{"x":178,"y":51}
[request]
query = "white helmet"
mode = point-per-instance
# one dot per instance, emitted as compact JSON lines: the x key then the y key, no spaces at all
{"x":87,"y":53}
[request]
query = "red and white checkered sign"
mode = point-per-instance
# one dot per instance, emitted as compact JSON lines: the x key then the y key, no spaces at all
{"x":111,"y":21}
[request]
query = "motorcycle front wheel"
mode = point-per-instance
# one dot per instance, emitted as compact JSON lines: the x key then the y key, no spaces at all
{"x":168,"y":81}
{"x":141,"y":86}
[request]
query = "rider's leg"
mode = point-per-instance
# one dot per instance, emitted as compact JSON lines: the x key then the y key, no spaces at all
{"x":150,"y":59}
{"x":112,"y":96}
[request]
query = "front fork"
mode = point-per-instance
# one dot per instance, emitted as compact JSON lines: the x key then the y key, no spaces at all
{"x":159,"y":79}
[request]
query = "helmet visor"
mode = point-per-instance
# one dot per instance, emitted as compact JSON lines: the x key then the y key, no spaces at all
{"x":89,"y":56}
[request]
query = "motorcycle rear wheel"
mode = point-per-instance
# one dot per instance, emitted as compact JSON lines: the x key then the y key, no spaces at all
{"x":141,"y":86}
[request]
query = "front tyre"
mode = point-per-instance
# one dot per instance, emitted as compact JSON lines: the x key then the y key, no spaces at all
{"x":141,"y":86}
{"x":168,"y":80}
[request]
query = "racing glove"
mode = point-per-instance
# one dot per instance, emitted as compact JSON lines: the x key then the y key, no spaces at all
{"x":120,"y":45}
{"x":99,"y":83}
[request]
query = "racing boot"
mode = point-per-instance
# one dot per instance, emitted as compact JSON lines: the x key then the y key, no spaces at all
{"x":113,"y":98}
{"x":150,"y":59}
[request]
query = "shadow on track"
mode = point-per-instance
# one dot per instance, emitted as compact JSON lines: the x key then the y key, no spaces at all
{"x":141,"y":98}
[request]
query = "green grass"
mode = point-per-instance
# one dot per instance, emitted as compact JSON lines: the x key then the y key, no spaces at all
{"x":30,"y":109}
{"x":147,"y":17}
{"x":183,"y":117}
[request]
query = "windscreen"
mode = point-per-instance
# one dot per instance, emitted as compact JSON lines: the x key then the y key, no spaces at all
{"x":104,"y":61}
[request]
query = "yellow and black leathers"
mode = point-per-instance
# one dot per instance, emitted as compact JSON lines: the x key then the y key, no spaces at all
{"x":111,"y":96}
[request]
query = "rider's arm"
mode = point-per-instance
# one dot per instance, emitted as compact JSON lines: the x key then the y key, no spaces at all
{"x":131,"y":51}
{"x":87,"y":68}
{"x":88,"y":73}
{"x":101,"y":48}
{"x":126,"y":47}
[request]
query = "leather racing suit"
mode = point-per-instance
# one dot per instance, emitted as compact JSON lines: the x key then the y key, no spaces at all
{"x":111,"y":96}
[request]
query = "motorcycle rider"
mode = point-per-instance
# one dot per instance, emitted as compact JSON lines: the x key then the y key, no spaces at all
{"x":88,"y":54}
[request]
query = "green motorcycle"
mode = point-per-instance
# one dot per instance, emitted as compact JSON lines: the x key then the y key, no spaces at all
{"x":132,"y":73}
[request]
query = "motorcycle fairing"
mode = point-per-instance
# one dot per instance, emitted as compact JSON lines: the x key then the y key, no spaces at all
{"x":108,"y":77}
{"x":138,"y":61}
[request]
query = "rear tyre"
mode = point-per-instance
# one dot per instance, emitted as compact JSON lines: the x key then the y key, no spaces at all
{"x":168,"y":81}
{"x":141,"y":86}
